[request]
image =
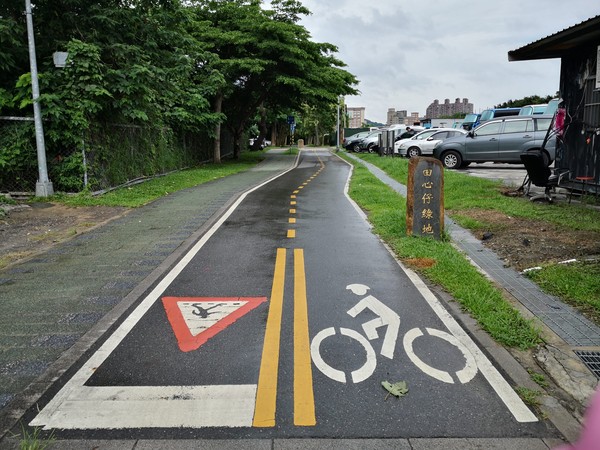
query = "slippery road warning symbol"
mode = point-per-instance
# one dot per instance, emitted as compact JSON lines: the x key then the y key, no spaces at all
{"x":196,"y":319}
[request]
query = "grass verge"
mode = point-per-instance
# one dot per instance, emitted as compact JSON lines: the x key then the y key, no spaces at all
{"x":143,"y":193}
{"x":577,"y":284}
{"x":463,"y":192}
{"x":439,"y":261}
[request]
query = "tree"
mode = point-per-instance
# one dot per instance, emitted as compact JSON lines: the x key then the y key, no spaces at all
{"x":530,"y":100}
{"x":138,"y":54}
{"x":173,"y":64}
{"x":268,"y":61}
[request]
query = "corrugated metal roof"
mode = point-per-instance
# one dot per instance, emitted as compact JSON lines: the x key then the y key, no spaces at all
{"x":561,"y":42}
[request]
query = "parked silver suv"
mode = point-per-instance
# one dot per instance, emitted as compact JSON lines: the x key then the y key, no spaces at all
{"x":499,"y":140}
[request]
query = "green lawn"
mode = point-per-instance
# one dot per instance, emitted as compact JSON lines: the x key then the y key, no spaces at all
{"x":576,"y":284}
{"x":439,"y":261}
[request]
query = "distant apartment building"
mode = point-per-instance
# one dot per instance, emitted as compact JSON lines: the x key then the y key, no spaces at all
{"x":436,"y":109}
{"x":356,"y":116}
{"x":395,"y":117}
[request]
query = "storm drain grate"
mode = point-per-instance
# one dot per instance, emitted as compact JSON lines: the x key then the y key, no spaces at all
{"x":591,"y":360}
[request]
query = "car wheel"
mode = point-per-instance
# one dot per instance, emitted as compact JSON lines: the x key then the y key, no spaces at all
{"x":356,"y":148}
{"x":451,"y":160}
{"x":413,"y":152}
{"x":371,"y":148}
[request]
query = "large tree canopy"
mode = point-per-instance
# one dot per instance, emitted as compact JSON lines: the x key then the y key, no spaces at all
{"x":190,"y":65}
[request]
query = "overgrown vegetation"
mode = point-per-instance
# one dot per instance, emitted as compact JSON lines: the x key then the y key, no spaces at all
{"x":35,"y":439}
{"x":171,"y":73}
{"x":539,"y":378}
{"x":143,"y":193}
{"x":531,"y":397}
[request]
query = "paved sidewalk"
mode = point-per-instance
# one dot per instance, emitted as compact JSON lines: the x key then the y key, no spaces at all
{"x":57,"y":304}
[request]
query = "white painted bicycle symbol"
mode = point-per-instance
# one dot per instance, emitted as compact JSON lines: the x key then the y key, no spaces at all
{"x":390,"y":319}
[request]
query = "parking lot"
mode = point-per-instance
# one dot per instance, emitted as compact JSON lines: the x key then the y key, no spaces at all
{"x":509,"y":174}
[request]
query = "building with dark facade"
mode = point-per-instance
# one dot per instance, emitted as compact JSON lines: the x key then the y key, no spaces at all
{"x":436,"y":109}
{"x":578,"y":140}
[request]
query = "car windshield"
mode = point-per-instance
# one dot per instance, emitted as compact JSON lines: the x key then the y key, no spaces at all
{"x":552,"y":106}
{"x":470,"y":118}
{"x":526,"y":111}
{"x":487,"y":115}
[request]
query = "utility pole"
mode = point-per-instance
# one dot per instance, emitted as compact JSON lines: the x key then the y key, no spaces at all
{"x":43,"y":187}
{"x":337,"y":133}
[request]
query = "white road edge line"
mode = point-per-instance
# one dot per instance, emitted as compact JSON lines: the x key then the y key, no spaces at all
{"x":506,"y":393}
{"x":72,"y":390}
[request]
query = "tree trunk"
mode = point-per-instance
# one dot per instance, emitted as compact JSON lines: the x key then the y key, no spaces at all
{"x":217,"y":144}
{"x":237,"y":141}
{"x":274,"y":134}
{"x":262,"y":128}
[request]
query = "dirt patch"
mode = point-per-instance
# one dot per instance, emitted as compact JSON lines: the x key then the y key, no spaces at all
{"x":420,"y":263}
{"x":28,"y":230}
{"x":525,"y":243}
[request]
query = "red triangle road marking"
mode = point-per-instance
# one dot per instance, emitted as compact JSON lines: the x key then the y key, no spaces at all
{"x":197,"y":319}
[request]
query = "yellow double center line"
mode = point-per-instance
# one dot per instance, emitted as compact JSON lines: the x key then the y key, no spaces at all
{"x":266,"y":394}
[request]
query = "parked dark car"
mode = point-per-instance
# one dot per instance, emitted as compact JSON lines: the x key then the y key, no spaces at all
{"x":351,"y":143}
{"x":263,"y":144}
{"x":499,"y":140}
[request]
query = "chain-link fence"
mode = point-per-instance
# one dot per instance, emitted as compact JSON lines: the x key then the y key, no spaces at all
{"x":108,"y":156}
{"x":18,"y":156}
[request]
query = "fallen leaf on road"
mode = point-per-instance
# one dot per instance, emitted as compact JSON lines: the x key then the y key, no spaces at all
{"x":398,"y":389}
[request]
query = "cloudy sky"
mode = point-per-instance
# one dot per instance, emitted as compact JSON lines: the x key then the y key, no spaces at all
{"x":408,"y":53}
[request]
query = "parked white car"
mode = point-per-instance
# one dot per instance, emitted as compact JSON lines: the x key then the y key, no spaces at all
{"x":371,"y":142}
{"x":424,"y":142}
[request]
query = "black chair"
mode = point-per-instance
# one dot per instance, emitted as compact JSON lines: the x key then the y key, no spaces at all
{"x":539,"y":174}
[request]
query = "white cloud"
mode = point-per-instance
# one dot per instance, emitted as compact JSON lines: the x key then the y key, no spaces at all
{"x":406,"y":54}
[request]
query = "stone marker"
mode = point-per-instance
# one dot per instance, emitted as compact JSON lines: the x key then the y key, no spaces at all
{"x":425,"y":198}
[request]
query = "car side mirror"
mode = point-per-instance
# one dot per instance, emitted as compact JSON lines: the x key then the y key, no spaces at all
{"x":471,"y":133}
{"x":430,"y":139}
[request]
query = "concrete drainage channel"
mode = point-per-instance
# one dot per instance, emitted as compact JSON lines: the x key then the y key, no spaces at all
{"x":591,"y":360}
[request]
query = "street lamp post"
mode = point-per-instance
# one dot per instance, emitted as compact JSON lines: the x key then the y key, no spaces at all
{"x":43,"y":187}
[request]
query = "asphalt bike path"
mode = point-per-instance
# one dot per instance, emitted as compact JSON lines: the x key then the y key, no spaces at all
{"x":282,"y":322}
